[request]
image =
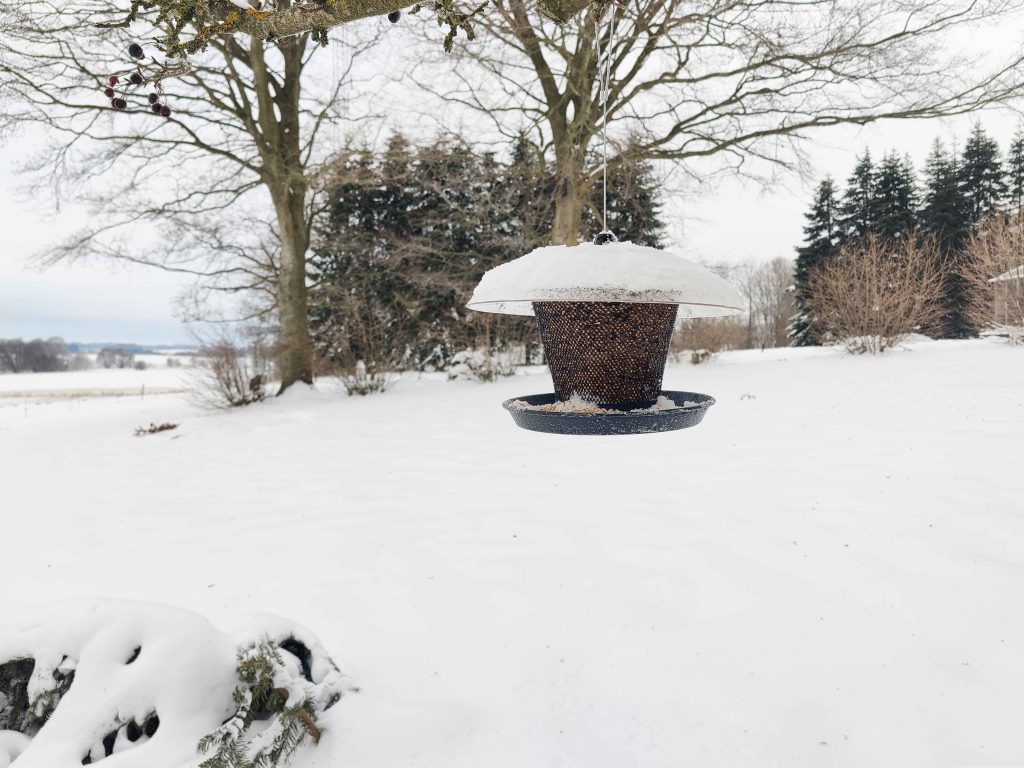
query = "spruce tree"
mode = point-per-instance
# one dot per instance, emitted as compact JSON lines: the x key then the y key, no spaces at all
{"x":943,"y":210}
{"x":944,"y":217}
{"x":857,"y":210}
{"x":894,"y":202}
{"x":1015,"y":170}
{"x":822,"y":236}
{"x":634,"y":209}
{"x":981,"y":176}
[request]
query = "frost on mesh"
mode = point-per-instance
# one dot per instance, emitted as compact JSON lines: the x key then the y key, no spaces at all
{"x":158,"y":687}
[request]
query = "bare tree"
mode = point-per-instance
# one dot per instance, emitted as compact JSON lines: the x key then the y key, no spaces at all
{"x":193,"y":23}
{"x":115,"y":357}
{"x":222,"y":189}
{"x":246,"y":107}
{"x":993,"y":265}
{"x":733,"y":80}
{"x":877,"y":291}
{"x":768,"y":289}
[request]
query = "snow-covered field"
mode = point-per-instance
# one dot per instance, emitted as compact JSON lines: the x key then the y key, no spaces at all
{"x":829,"y":571}
{"x":98,"y":382}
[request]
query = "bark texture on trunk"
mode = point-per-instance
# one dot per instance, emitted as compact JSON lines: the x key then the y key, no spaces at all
{"x":284,"y":175}
{"x":568,"y":217}
{"x":303,"y":17}
{"x":571,"y":191}
{"x":296,"y":359}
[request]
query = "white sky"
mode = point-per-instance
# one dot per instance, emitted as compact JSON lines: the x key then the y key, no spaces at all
{"x":727,"y":222}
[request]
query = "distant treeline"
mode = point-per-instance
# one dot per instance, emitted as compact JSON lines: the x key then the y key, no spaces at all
{"x":889,"y":202}
{"x":49,"y":355}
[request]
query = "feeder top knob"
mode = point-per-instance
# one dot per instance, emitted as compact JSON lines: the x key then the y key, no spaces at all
{"x":607,"y":236}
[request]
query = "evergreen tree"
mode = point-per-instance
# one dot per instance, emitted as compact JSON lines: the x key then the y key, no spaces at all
{"x":894,"y":203}
{"x":943,"y":210}
{"x":633,"y":206}
{"x":1015,"y":170}
{"x":410,"y":231}
{"x":528,"y":188}
{"x":857,"y":210}
{"x":981,"y":176}
{"x":822,"y":236}
{"x":944,"y":217}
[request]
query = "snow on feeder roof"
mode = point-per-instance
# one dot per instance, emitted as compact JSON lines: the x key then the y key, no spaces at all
{"x":612,"y":272}
{"x":1017,"y":273}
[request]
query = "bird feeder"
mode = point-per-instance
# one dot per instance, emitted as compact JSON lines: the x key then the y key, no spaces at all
{"x":606,"y":311}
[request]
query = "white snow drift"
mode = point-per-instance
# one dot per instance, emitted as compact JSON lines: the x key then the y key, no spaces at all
{"x":163,"y":668}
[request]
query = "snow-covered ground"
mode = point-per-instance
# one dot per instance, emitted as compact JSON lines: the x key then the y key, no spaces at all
{"x":98,"y":382}
{"x":829,"y":571}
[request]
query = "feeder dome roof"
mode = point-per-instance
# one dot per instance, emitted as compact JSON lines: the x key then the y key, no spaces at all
{"x":616,"y":272}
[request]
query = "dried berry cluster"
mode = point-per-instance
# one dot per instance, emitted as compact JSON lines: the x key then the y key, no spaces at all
{"x":129,"y":81}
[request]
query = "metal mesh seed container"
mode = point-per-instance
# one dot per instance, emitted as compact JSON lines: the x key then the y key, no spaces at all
{"x":606,"y":352}
{"x":605,"y":314}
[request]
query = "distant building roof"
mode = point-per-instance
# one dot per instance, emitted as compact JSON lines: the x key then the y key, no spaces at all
{"x":1014,"y":274}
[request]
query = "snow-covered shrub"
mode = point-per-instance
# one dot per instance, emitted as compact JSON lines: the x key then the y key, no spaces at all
{"x":269,"y":690}
{"x":363,"y":381}
{"x":992,"y":270}
{"x":158,"y":686}
{"x":481,"y":365}
{"x":234,"y":371}
{"x":711,"y":335}
{"x":875,"y":293}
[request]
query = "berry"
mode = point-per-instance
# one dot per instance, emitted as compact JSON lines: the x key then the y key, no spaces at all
{"x":136,"y":79}
{"x":394,"y":16}
{"x":156,"y":107}
{"x":109,"y":93}
{"x":135,"y":51}
{"x":605,"y":237}
{"x":165,"y":111}
{"x":119,"y":104}
{"x":113,"y":80}
{"x":153,"y":98}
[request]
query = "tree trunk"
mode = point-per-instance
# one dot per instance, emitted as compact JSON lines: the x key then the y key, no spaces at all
{"x":568,"y":214}
{"x":296,"y":358}
{"x":284,"y":175}
{"x":569,"y":194}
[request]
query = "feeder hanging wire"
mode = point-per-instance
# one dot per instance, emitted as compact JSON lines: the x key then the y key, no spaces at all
{"x":604,"y":79}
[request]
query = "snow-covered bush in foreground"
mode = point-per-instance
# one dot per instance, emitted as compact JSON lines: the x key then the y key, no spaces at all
{"x":159,"y":687}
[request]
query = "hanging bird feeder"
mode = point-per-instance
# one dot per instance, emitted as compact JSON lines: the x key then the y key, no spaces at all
{"x":606,"y":311}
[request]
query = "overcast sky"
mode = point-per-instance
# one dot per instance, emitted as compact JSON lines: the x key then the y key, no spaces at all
{"x":729,"y":221}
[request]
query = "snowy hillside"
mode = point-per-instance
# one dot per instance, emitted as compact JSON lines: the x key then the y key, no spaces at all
{"x":829,"y":571}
